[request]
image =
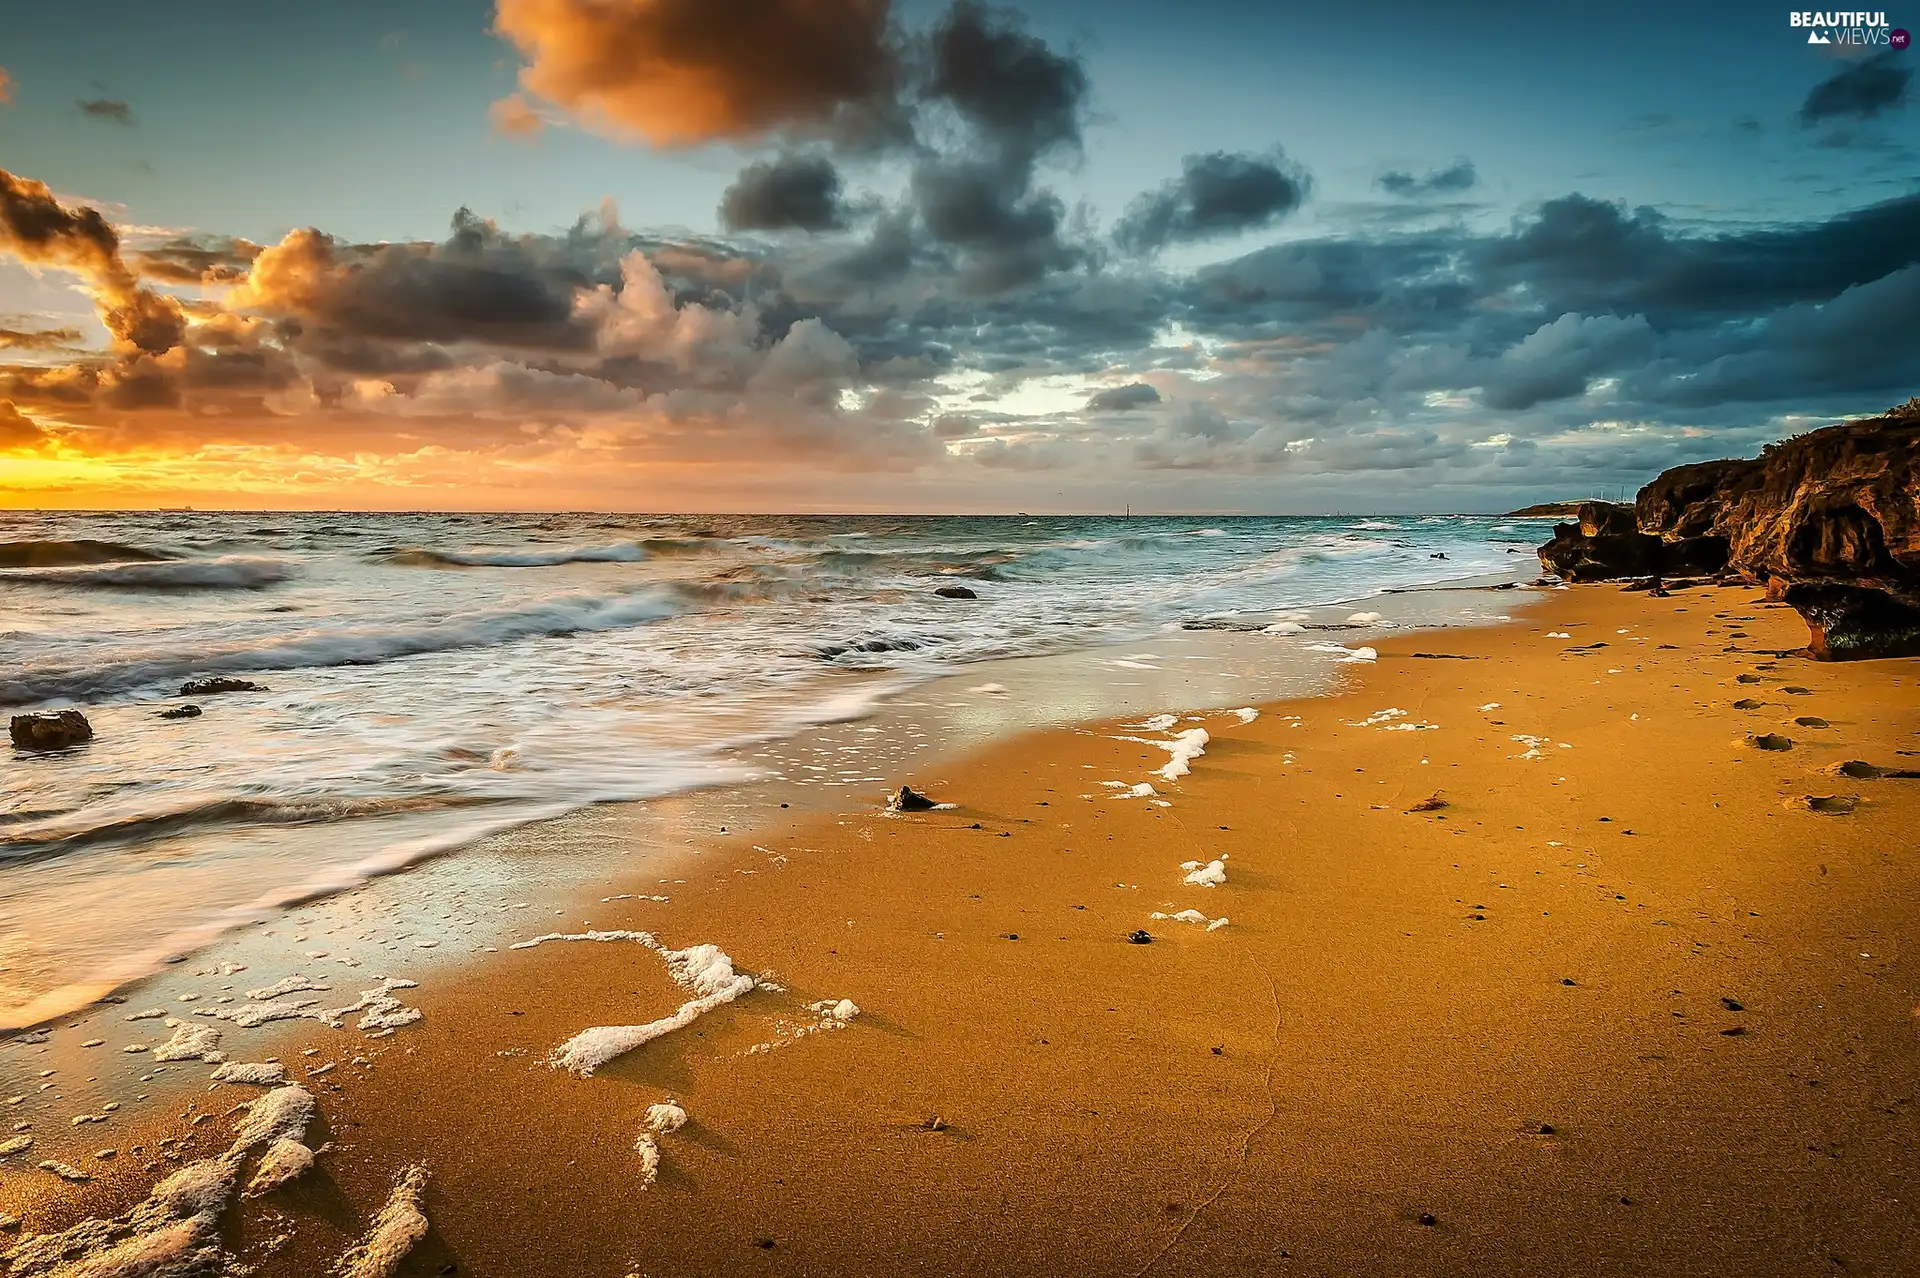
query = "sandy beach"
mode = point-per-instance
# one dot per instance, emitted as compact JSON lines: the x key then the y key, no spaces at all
{"x":1635,"y":996}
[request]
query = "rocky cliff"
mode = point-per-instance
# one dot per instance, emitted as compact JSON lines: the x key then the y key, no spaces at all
{"x":1829,"y":521}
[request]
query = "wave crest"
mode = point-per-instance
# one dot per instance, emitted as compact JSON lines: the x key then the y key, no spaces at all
{"x":347,"y":646}
{"x":66,"y":554}
{"x":228,"y":572}
{"x":624,"y":552}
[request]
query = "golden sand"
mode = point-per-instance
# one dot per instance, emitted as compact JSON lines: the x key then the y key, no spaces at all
{"x":1633,"y":996}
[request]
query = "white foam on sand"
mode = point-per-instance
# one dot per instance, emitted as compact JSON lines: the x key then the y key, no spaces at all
{"x":381,"y":1012}
{"x":1144,"y":790}
{"x":1532,"y":744}
{"x":838,"y":1011}
{"x":1366,"y":619}
{"x":1245,"y":714}
{"x":281,"y":1114}
{"x":264,"y":1074}
{"x":1558,"y":634}
{"x":400,"y":1225}
{"x":172,"y":1234}
{"x":1193,"y":916}
{"x":1490,"y":706}
{"x":991,"y":689}
{"x":285,"y":1160}
{"x":190,"y":1042}
{"x":1283,"y":628}
{"x":701,"y":969}
{"x":660,"y":1120}
{"x":1212,"y":874}
{"x":252,"y":1015}
{"x":1346,"y":654}
{"x":1184,"y":749}
{"x":1155,"y":723}
{"x":286,"y":985}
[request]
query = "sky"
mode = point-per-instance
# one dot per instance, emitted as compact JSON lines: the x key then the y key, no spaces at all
{"x":821,"y":255}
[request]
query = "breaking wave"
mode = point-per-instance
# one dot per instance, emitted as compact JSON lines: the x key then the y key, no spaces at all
{"x":346,"y":646}
{"x":228,"y":572}
{"x":624,"y":552}
{"x":63,"y":554}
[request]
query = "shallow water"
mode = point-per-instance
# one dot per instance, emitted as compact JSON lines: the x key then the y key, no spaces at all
{"x":434,"y":678}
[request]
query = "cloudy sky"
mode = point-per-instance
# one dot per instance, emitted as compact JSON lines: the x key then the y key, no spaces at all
{"x":851,"y":255}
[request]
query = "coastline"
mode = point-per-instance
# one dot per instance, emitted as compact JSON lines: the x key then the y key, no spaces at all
{"x":1504,"y":1014}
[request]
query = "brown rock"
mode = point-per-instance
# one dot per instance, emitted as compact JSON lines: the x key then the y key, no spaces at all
{"x":1828,"y":521}
{"x":49,"y":730}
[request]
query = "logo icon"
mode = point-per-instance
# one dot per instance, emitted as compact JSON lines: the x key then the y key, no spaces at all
{"x":1814,"y":37}
{"x":1899,"y":38}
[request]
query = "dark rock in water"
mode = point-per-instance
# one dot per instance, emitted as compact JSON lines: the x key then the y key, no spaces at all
{"x":1438,"y":554}
{"x":218,"y":684}
{"x":180,"y":712}
{"x":1828,"y":521}
{"x":49,"y":730}
{"x":908,"y":799}
{"x":1140,"y":937}
{"x":1603,"y":546}
{"x":955,"y":592}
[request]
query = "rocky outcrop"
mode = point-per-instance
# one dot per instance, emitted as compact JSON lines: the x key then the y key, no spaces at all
{"x":1604,"y":545}
{"x":49,"y":730}
{"x":1828,"y":521}
{"x":955,"y":592}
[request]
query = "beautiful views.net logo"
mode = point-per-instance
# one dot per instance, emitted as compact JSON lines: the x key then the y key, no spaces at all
{"x":1849,"y":28}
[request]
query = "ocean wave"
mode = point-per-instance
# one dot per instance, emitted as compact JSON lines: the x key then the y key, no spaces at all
{"x":624,"y":552}
{"x":347,"y":646}
{"x":66,"y":554}
{"x":56,"y":837}
{"x":228,"y":572}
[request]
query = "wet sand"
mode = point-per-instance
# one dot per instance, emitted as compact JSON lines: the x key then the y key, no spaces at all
{"x":1632,"y":1006}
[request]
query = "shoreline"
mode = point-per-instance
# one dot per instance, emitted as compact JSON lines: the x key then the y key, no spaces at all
{"x":742,"y":766}
{"x":1374,"y":995}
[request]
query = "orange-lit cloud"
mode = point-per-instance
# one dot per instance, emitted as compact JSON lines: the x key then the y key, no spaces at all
{"x":36,"y":228}
{"x":682,"y":72}
{"x":38,"y":339}
{"x":6,"y":86}
{"x":514,"y":117}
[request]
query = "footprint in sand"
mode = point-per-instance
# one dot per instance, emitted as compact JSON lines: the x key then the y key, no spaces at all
{"x":1861,"y":770}
{"x":1748,"y":703}
{"x":1797,"y":691}
{"x":1769,"y":741}
{"x":1811,"y":721}
{"x":1826,"y":804}
{"x":1748,"y":678}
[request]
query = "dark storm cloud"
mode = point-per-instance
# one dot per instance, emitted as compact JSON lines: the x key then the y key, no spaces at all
{"x":1859,"y":91}
{"x":478,"y":285}
{"x":1215,"y":195}
{"x":1024,"y":98}
{"x":1585,"y":254}
{"x":995,"y":103}
{"x":791,"y":192}
{"x":1455,"y":178}
{"x":106,"y":109}
{"x":1116,"y":399}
